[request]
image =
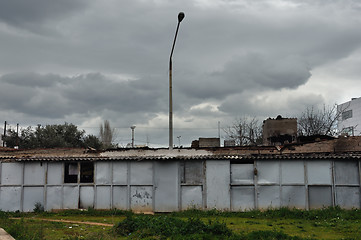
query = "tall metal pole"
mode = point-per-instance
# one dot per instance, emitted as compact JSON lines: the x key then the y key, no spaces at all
{"x":132,"y":127}
{"x":4,"y":134}
{"x":180,"y":18}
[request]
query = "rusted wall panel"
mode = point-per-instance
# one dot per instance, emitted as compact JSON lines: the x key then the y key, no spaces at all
{"x":103,"y":173}
{"x":53,"y":198}
{"x":86,"y":197}
{"x":141,"y":173}
{"x":32,"y":195}
{"x":191,"y":197}
{"x":55,"y":173}
{"x":71,"y":197}
{"x":166,"y":185}
{"x":11,"y":173}
{"x":120,"y":173}
{"x":34,"y":173}
{"x":218,"y":184}
{"x":141,"y":198}
{"x":103,"y":197}
{"x":10,"y":198}
{"x":120,"y":197}
{"x":242,"y":198}
{"x":293,"y":197}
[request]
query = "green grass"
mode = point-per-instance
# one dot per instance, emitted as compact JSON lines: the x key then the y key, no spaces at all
{"x":328,"y":223}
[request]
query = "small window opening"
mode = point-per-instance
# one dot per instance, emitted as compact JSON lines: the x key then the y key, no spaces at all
{"x":71,"y":173}
{"x":86,"y":172}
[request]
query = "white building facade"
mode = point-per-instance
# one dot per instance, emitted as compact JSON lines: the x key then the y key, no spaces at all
{"x":349,"y":121}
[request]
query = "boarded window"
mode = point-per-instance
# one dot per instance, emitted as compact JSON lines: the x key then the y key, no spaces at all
{"x":192,"y":172}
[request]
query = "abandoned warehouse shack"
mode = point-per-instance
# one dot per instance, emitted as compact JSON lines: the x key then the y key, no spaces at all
{"x":305,"y":176}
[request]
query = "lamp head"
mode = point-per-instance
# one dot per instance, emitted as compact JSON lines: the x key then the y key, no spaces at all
{"x":180,"y":16}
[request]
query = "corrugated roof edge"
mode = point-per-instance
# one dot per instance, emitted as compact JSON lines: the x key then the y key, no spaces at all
{"x":313,"y":156}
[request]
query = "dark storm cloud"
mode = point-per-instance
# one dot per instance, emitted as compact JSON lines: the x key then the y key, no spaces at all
{"x":54,"y":96}
{"x":31,"y":14}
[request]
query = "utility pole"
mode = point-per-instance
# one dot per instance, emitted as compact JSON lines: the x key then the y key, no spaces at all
{"x":4,"y":134}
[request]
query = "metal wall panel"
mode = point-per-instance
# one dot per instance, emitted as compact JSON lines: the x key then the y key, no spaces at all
{"x":348,"y":197}
{"x":120,"y":197}
{"x":53,"y":198}
{"x":346,"y":172}
{"x":32,"y":195}
{"x":292,"y":172}
{"x":120,"y":173}
{"x":191,"y":197}
{"x":242,"y":173}
{"x":34,"y":173}
{"x":319,"y":196}
{"x":103,"y":173}
{"x":166,"y":186}
{"x":242,"y":198}
{"x":218,"y":184}
{"x":268,"y":172}
{"x":293,"y":197}
{"x":86,"y":197}
{"x":103,"y":197}
{"x":268,"y":197}
{"x":11,"y":173}
{"x":71,"y":197}
{"x":141,"y":198}
{"x":192,"y":172}
{"x":319,"y":172}
{"x":10,"y":198}
{"x":141,"y":173}
{"x":55,"y":173}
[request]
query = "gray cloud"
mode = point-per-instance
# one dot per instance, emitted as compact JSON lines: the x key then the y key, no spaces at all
{"x":82,"y":61}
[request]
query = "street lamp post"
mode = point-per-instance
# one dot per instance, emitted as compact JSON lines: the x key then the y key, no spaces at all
{"x":132,"y":127}
{"x":180,"y":18}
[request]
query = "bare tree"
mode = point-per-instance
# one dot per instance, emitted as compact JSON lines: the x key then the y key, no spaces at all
{"x":106,"y":134}
{"x":315,"y":121}
{"x":245,"y":131}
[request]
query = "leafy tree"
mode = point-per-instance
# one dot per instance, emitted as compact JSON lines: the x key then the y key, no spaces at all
{"x":314,"y":121}
{"x":51,"y":136}
{"x":106,"y":134}
{"x":245,"y":131}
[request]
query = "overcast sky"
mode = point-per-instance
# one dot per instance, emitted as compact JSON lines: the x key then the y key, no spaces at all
{"x":83,"y":62}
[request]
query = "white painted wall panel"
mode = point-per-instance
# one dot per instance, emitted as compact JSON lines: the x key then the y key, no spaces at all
{"x":10,"y":198}
{"x":55,"y":173}
{"x":319,"y":172}
{"x":120,"y":197}
{"x":269,"y":197}
{"x":34,"y":173}
{"x":141,"y":173}
{"x":103,"y":197}
{"x":86,"y":197}
{"x":242,"y":198}
{"x":11,"y":173}
{"x":191,"y":197}
{"x":53,"y":198}
{"x":103,"y":173}
{"x":292,"y":172}
{"x":71,"y":197}
{"x":32,"y":195}
{"x":268,"y":172}
{"x":141,"y":198}
{"x":120,"y":173}
{"x":218,"y":184}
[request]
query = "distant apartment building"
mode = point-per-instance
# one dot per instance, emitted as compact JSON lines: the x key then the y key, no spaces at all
{"x":279,"y":131}
{"x":349,"y":121}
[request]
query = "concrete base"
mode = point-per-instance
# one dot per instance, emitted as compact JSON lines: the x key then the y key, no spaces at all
{"x":4,"y":235}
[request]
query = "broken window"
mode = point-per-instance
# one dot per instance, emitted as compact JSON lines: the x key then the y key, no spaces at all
{"x":71,"y":173}
{"x":83,"y":171}
{"x":192,"y":172}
